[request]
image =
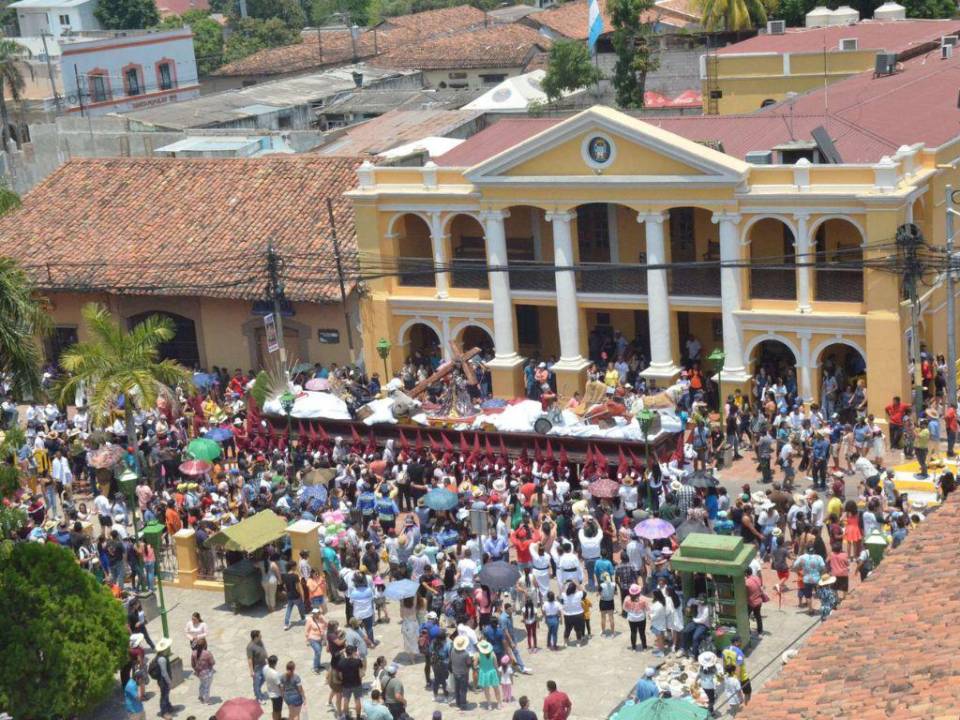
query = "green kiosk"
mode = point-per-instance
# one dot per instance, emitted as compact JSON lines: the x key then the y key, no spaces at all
{"x":723,"y":559}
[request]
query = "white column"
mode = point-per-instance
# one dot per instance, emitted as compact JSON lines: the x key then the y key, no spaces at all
{"x":568,"y":310}
{"x":438,"y":242}
{"x":503,"y":317}
{"x":804,"y":371}
{"x":445,"y":337}
{"x":734,"y":367}
{"x":658,"y":299}
{"x":804,"y":262}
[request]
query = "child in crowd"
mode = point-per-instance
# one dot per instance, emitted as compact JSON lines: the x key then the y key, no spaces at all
{"x":530,"y":623}
{"x":506,"y":679}
{"x":380,"y":599}
{"x":586,"y":603}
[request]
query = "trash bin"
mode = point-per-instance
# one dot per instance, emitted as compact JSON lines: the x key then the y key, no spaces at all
{"x":152,"y":534}
{"x":876,"y":544}
{"x":241,"y":585}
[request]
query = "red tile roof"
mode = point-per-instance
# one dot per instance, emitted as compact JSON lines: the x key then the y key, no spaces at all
{"x":499,"y":46}
{"x":338,"y":48}
{"x":863,"y":118}
{"x":889,"y":651}
{"x":899,"y":36}
{"x":159,"y":226}
{"x":571,"y":19}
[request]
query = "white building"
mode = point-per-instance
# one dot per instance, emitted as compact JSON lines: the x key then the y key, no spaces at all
{"x":55,"y":17}
{"x":129,"y":72}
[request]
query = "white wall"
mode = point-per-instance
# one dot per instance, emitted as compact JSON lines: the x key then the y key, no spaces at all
{"x":114,"y":56}
{"x":33,"y":21}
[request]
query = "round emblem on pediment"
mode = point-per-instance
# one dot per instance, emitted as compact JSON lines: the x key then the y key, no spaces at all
{"x":598,"y":151}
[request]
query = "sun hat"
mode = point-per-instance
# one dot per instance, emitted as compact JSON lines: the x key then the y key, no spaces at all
{"x":392,"y":669}
{"x":315,"y":611}
{"x":484,"y":647}
{"x":777,"y":532}
{"x":758,"y":497}
{"x":460,"y":643}
{"x":136,"y":640}
{"x":163,"y":644}
{"x":634,"y":590}
{"x":649,"y":672}
{"x":707,"y":660}
{"x":827,"y":580}
{"x":431,"y":615}
{"x":676,"y":485}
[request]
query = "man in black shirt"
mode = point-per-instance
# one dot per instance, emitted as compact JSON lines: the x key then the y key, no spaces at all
{"x":291,"y":584}
{"x":524,"y":713}
{"x":350,"y":668}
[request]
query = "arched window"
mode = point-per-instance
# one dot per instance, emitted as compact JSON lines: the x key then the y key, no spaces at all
{"x":183,"y":347}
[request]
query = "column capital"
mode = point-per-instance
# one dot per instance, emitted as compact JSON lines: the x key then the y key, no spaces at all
{"x":802,"y":215}
{"x":563,"y":216}
{"x":493,"y":215}
{"x":730,"y":217}
{"x":653,"y":216}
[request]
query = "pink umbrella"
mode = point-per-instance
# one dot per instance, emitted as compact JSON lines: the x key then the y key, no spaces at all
{"x":654,"y":529}
{"x":196,"y":467}
{"x":604,"y":488}
{"x":239,"y":709}
{"x":317,"y":384}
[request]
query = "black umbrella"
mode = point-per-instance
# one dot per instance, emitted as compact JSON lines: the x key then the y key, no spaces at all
{"x":499,"y":575}
{"x":702,"y":480}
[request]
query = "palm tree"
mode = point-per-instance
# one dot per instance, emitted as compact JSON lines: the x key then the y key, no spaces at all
{"x":732,"y":14}
{"x":121,"y":363}
{"x":23,"y":320}
{"x":12,"y":82}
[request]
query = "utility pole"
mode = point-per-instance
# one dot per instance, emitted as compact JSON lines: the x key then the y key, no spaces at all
{"x":343,"y":285}
{"x":57,"y":101}
{"x":76,"y":74}
{"x":275,"y":293}
{"x":909,"y":241}
{"x":951,"y":303}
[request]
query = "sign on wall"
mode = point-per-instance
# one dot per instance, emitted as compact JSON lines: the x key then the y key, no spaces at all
{"x":270,"y":325}
{"x":328,"y":336}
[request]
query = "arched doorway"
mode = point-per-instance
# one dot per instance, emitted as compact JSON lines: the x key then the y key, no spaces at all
{"x":840,"y":365}
{"x":772,"y":245}
{"x":475,"y":336}
{"x":773,"y":361}
{"x":468,"y":250}
{"x":414,"y":250}
{"x":422,"y":344}
{"x":183,"y":347}
{"x":839,"y":268}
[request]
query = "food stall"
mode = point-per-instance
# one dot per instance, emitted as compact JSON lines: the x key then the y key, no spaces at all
{"x":241,"y":580}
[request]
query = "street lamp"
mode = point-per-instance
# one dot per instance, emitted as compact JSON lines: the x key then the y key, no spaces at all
{"x":645,"y":418}
{"x":128,"y":486}
{"x":383,"y":350}
{"x":717,"y":357}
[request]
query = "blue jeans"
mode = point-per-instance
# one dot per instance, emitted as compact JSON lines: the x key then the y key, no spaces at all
{"x":591,"y":578}
{"x":151,"y":568}
{"x":368,"y":626}
{"x":118,"y":571}
{"x":258,"y":684}
{"x":317,"y":646}
{"x":460,"y":685}
{"x":692,"y":637}
{"x":553,"y":627}
{"x":516,"y":655}
{"x":291,"y":603}
{"x":50,"y":495}
{"x":165,"y":707}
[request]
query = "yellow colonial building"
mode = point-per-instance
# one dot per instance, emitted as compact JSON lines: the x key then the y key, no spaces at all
{"x":542,"y":230}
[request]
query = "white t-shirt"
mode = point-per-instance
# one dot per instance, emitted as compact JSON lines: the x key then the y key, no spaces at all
{"x":573,"y":603}
{"x":816,"y":512}
{"x":467,"y":568}
{"x":568,"y":568}
{"x":731,"y":689}
{"x":271,"y":678}
{"x":551,"y":608}
{"x":103,"y":506}
{"x":628,"y":495}
{"x":590,"y":546}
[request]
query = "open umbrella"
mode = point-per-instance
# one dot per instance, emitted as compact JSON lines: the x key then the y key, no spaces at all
{"x":604,"y":488}
{"x":219,"y":434}
{"x":311,"y":492}
{"x":702,"y":480}
{"x":654,"y":529}
{"x":196,"y":467}
{"x":203,"y":380}
{"x":401,"y":589}
{"x":320,"y":476}
{"x":105,"y":457}
{"x":203,"y":449}
{"x":239,"y":709}
{"x":662,"y":709}
{"x":499,"y":575}
{"x":440,"y":499}
{"x":317,"y":385}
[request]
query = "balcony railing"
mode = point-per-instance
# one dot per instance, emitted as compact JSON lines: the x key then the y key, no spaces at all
{"x":528,"y":275}
{"x":839,"y":285}
{"x":700,"y":282}
{"x":416,"y":272}
{"x":614,"y":279}
{"x":773,"y":284}
{"x":469,"y":274}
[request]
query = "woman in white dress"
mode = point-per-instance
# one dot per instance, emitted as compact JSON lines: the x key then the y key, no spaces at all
{"x":674,"y":609}
{"x":409,"y":627}
{"x":269,"y":577}
{"x":540,"y":569}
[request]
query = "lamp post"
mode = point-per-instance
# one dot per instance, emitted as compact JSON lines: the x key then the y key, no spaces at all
{"x":717,"y":357}
{"x":383,"y":350}
{"x":645,"y":418}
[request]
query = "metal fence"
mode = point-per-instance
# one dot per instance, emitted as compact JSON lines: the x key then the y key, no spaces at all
{"x":700,"y":282}
{"x":529,"y":275}
{"x":839,"y":285}
{"x":773,"y":284}
{"x":469,"y":274}
{"x":609,"y":278}
{"x":416,"y":272}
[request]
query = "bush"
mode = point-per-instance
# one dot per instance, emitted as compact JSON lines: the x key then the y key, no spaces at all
{"x":63,"y":635}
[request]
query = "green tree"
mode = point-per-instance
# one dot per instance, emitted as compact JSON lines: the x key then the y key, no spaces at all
{"x":632,"y":45}
{"x":63,"y":641}
{"x":569,"y":68}
{"x":930,"y":8}
{"x":207,"y":38}
{"x":732,"y":14}
{"x":23,"y":319}
{"x":127,"y":14}
{"x":121,"y":363}
{"x":12,"y":83}
{"x":251,"y":35}
{"x":288,"y":11}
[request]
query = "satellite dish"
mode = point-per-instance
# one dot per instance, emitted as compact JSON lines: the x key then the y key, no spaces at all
{"x":502,"y":95}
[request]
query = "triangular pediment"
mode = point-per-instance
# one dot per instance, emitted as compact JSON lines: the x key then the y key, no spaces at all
{"x":604,"y":142}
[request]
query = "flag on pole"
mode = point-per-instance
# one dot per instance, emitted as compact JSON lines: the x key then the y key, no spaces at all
{"x":594,"y":25}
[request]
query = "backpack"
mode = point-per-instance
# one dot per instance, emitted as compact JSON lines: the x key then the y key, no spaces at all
{"x":153,"y":670}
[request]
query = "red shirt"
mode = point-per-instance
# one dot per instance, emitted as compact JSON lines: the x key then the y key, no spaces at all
{"x":895,"y":413}
{"x":951,"y":418}
{"x":556,"y":706}
{"x":528,"y":490}
{"x":522,"y":546}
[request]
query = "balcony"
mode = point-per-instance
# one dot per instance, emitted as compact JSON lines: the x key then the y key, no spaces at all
{"x":530,"y":275}
{"x":773,"y":284}
{"x":698,"y":282}
{"x":469,"y":274}
{"x":415,"y":272}
{"x":839,"y":285}
{"x":619,"y":279}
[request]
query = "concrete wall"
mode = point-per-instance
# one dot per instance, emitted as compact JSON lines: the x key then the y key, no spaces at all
{"x":33,"y":21}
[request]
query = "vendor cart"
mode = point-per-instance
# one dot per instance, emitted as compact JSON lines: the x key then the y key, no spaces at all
{"x":241,"y":580}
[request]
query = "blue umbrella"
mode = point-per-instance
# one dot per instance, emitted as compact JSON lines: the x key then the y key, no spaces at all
{"x":440,"y":499}
{"x":401,"y":589}
{"x":203,"y":380}
{"x":314,"y":492}
{"x":219,"y":434}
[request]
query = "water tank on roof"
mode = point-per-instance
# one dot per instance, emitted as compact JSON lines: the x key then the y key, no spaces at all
{"x":819,"y":17}
{"x":890,"y":11}
{"x":845,"y":15}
